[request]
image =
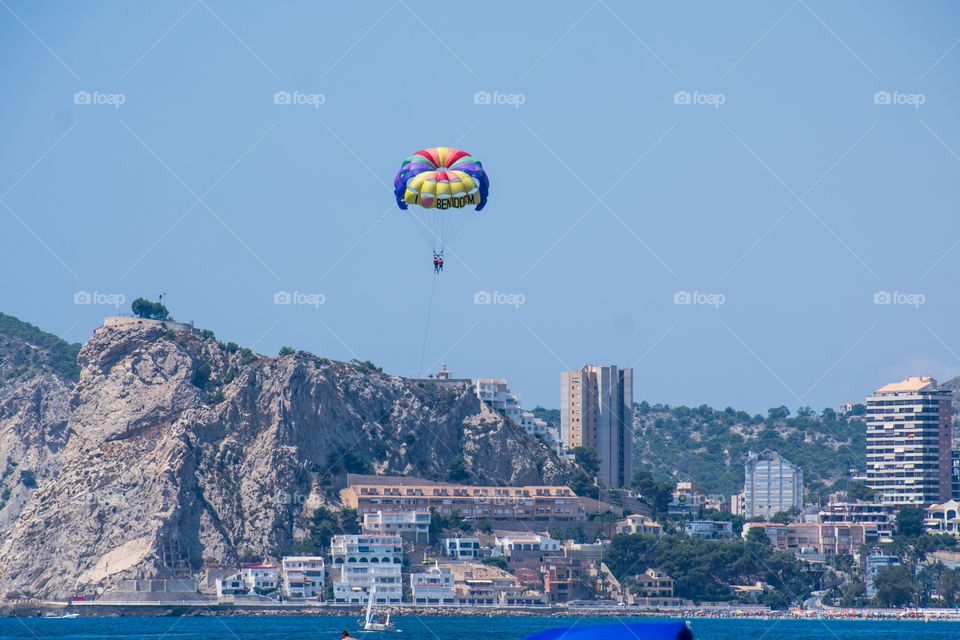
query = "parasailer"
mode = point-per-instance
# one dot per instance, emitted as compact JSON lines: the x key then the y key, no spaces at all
{"x":441,"y":181}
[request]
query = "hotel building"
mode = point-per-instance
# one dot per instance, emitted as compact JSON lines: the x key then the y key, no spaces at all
{"x":596,"y":410}
{"x":909,"y":440}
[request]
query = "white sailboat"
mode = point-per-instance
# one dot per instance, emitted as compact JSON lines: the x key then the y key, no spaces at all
{"x":376,"y":623}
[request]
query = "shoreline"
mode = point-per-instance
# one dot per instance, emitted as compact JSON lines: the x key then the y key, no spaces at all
{"x":54,"y":610}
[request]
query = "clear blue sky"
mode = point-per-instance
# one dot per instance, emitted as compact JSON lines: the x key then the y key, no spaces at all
{"x":797,"y":199}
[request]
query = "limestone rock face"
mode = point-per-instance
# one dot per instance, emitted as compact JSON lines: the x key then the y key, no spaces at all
{"x":173,"y":449}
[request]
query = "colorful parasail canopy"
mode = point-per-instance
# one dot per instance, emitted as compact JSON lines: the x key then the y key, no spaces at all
{"x":441,"y":178}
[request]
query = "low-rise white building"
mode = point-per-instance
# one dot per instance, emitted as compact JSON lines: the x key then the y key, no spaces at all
{"x":367,"y":562}
{"x":410,"y":525}
{"x":511,"y":543}
{"x":496,"y":394}
{"x":639,"y":524}
{"x":462,"y":548}
{"x":260,"y":578}
{"x":709,"y":529}
{"x":232,"y":585}
{"x":303,"y":576}
{"x":943,"y":518}
{"x":433,"y":586}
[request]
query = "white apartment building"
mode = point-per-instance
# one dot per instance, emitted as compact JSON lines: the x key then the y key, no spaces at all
{"x":526,"y":542}
{"x":639,"y":524}
{"x":260,"y":578}
{"x":497,"y":395}
{"x":364,"y":562}
{"x":303,"y":576}
{"x":909,"y":442}
{"x":433,"y":586}
{"x":409,"y":525}
{"x":462,"y":548}
{"x":771,"y":484}
{"x":232,"y":585}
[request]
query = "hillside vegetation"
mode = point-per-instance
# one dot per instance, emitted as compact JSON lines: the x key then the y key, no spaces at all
{"x":31,"y":351}
{"x":709,"y":446}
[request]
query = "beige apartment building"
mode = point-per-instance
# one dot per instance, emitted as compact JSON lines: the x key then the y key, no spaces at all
{"x":909,"y":442}
{"x":596,"y":410}
{"x":372,"y":494}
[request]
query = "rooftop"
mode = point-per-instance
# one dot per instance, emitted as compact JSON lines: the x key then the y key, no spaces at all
{"x":911,"y":384}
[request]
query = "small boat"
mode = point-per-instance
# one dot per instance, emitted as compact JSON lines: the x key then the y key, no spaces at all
{"x":377,"y":623}
{"x":64,"y":616}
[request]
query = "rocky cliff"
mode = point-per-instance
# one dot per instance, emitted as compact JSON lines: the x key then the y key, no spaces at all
{"x":174,"y":450}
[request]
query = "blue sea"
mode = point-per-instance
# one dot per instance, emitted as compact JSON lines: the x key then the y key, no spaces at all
{"x":443,"y":628}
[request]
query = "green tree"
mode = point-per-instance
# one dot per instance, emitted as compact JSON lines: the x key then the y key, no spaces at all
{"x":654,"y":492}
{"x":584,"y":484}
{"x":457,"y":470}
{"x":758,"y":536}
{"x":286,"y":351}
{"x":143,"y":308}
{"x":948,"y":585}
{"x":587,"y":458}
{"x":498,"y":562}
{"x":895,"y":586}
{"x":853,"y":594}
{"x":910,"y":522}
{"x":860,"y":491}
{"x":786,"y":517}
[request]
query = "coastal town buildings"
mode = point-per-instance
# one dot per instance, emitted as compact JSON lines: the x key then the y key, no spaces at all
{"x":709,"y":529}
{"x":654,"y":588}
{"x":882,"y":515}
{"x":639,"y":524}
{"x":497,"y":395}
{"x":542,"y":503}
{"x":261,"y":577}
{"x":231,"y":585}
{"x":462,"y":548}
{"x":527,"y":545}
{"x":596,"y":410}
{"x":827,"y":540}
{"x":909,"y":442}
{"x":943,"y":518}
{"x":771,"y":484}
{"x":303,"y":576}
{"x":434,"y":585}
{"x":412,"y":525}
{"x":478,"y":584}
{"x":874,"y":563}
{"x":361,"y":563}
